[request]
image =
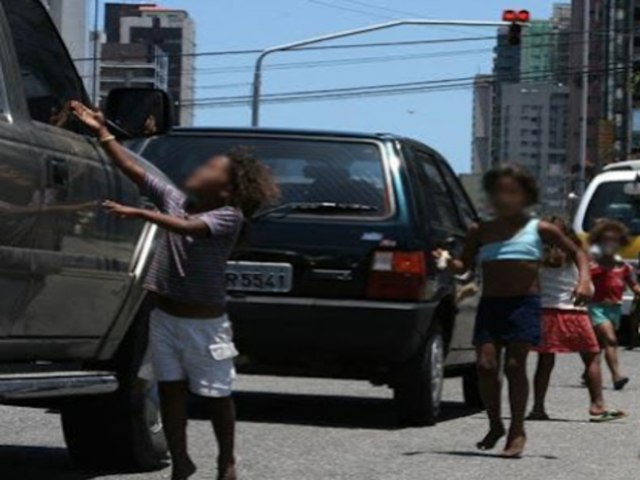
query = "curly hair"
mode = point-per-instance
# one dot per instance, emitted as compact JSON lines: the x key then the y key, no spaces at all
{"x":252,"y":185}
{"x":603,"y":225}
{"x":519,"y":174}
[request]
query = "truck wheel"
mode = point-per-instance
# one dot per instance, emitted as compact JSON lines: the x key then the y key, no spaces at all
{"x":123,"y":429}
{"x":418,"y":389}
{"x":470,"y":391}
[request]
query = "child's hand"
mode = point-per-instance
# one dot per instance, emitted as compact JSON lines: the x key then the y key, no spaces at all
{"x":94,"y":119}
{"x":443,"y":258}
{"x":121,"y":210}
{"x":583,"y":293}
{"x":636,"y":291}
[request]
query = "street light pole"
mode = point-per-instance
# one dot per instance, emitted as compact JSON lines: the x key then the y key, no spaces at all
{"x":257,"y":75}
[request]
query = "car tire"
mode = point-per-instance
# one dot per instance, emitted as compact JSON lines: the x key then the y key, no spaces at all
{"x":122,"y":430}
{"x":418,"y":389}
{"x":471,"y":391}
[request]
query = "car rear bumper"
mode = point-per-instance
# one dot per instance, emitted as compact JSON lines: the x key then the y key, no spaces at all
{"x":368,"y":334}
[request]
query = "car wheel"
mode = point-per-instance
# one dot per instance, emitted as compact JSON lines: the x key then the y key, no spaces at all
{"x":418,"y":390}
{"x":123,"y":429}
{"x":470,"y":390}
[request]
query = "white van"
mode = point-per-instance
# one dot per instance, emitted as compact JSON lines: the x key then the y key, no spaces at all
{"x":614,"y":194}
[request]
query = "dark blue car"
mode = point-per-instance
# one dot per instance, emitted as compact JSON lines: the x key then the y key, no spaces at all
{"x":338,"y":279}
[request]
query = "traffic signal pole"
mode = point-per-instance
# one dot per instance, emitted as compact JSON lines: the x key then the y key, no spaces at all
{"x":257,"y":76}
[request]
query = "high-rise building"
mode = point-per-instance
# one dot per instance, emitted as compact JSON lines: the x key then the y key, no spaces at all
{"x":133,"y":65}
{"x":545,"y":47}
{"x":169,"y":30}
{"x":506,"y":70}
{"x":483,"y":95}
{"x":534,"y":136}
{"x":609,"y":92}
{"x":72,"y":20}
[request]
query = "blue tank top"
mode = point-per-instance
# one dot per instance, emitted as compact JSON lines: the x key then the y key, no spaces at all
{"x":524,"y":245}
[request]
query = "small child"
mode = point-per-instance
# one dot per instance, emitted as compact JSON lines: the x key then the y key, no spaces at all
{"x":610,"y":277}
{"x":509,"y":247}
{"x":190,"y":335}
{"x":566,"y":328}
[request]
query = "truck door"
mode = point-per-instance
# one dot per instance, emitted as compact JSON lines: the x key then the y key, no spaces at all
{"x":20,"y":202}
{"x":81,"y":262}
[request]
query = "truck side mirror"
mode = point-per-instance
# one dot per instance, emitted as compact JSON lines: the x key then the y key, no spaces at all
{"x":138,"y":112}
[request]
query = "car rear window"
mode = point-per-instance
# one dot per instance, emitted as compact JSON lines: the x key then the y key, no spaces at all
{"x":307,"y":171}
{"x":610,"y":201}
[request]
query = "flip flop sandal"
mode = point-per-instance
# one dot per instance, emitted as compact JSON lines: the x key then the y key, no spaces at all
{"x":538,"y":416}
{"x":608,"y":416}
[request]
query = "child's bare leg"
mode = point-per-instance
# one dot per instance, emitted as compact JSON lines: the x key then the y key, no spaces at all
{"x":223,"y":417}
{"x":608,"y":340}
{"x":593,"y":372}
{"x":173,"y":406}
{"x":516,"y":372}
{"x":488,"y":365}
{"x":546,"y":362}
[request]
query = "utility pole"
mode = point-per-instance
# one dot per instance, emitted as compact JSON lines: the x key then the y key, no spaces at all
{"x":257,"y":76}
{"x":584,"y":109}
{"x":96,"y":52}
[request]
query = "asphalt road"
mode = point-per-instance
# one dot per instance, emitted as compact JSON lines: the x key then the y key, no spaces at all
{"x":303,"y":429}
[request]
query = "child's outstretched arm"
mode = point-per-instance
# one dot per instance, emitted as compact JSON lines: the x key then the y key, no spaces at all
{"x":193,"y":227}
{"x":553,"y":235}
{"x":95,"y":121}
{"x":467,"y":259}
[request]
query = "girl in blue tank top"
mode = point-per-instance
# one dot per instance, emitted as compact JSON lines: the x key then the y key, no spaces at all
{"x":509,"y":250}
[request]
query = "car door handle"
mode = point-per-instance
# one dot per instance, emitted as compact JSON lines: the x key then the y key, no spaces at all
{"x":57,"y":172}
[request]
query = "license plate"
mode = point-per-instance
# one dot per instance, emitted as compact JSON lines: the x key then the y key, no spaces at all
{"x":259,"y":277}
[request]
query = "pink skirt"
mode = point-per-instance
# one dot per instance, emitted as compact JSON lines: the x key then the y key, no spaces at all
{"x":567,"y":331}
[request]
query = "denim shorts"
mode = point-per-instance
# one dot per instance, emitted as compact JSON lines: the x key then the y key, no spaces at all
{"x":508,"y":320}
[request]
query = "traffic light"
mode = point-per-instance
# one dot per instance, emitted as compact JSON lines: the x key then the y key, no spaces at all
{"x":514,"y":36}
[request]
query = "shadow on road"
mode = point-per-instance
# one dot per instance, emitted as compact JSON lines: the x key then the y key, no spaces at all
{"x":325,"y":411}
{"x":41,"y":463}
{"x":37,"y":463}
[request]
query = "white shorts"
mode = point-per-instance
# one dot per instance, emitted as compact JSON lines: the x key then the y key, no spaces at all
{"x":200,"y":351}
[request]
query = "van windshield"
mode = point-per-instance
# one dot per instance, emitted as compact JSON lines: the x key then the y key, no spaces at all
{"x":611,"y":201}
{"x":307,"y":171}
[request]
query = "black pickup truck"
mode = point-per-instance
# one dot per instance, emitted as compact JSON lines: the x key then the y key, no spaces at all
{"x":72,"y":309}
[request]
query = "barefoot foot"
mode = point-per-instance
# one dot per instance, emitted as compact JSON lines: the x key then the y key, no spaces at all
{"x":491,"y":439}
{"x":515,"y":445}
{"x":183,"y":470}
{"x":228,"y":473}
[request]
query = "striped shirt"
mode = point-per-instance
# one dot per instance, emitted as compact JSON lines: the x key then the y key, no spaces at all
{"x":187,"y":269}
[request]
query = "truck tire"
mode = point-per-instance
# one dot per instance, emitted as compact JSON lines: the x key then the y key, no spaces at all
{"x":470,"y":391}
{"x":418,"y":387}
{"x":122,"y":430}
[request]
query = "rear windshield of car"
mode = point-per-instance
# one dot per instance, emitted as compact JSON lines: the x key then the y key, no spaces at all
{"x":307,"y":171}
{"x":611,"y":201}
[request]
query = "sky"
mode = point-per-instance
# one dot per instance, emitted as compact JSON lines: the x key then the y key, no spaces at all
{"x":440,"y":119}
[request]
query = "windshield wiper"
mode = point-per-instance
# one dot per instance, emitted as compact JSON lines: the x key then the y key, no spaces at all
{"x":315,"y":208}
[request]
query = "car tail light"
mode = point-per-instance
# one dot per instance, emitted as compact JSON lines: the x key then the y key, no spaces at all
{"x":397,"y":275}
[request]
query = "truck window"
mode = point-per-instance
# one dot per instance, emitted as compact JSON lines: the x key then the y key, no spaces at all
{"x":49,"y":77}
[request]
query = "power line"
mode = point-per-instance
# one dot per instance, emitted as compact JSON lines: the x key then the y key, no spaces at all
{"x":446,"y":84}
{"x":348,"y":9}
{"x":254,"y":51}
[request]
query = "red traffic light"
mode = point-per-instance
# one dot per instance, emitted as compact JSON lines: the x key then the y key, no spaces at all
{"x":523,"y":16}
{"x":509,"y":16}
